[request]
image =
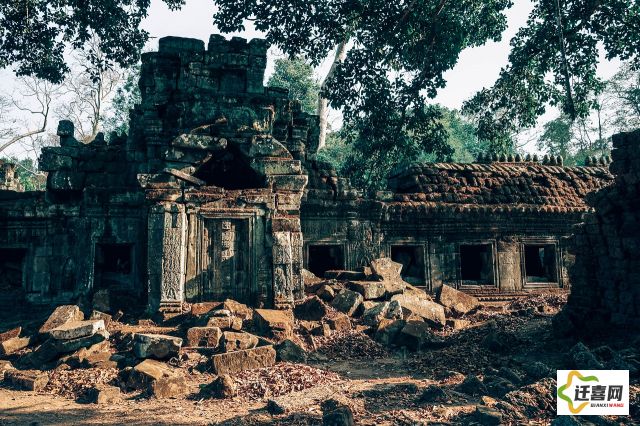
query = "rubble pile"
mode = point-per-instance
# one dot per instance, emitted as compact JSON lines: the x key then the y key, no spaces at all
{"x":449,"y":358}
{"x":392,"y":311}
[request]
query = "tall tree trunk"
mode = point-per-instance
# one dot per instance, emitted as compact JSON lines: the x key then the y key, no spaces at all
{"x":323,"y":104}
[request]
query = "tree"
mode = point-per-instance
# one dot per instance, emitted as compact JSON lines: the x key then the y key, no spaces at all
{"x":553,"y":62}
{"x":297,"y":76}
{"x":33,"y":100}
{"x":388,"y":55}
{"x":556,"y":137}
{"x":126,"y":97}
{"x":367,"y":149}
{"x":622,"y":97}
{"x":90,"y":88}
{"x":27,"y":173}
{"x":35,"y":33}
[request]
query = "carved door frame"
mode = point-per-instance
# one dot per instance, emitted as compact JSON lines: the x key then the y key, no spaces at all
{"x":202,"y":250}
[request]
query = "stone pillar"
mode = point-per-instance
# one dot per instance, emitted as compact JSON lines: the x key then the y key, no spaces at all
{"x":509,"y":271}
{"x":167,"y":256}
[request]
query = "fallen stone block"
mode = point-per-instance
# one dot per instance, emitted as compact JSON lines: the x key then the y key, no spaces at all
{"x":429,"y":311}
{"x":62,"y":315}
{"x":225,"y":322}
{"x":97,"y":315}
{"x":275,"y":322}
{"x":458,"y":302}
{"x":458,"y":324}
{"x":13,"y":345}
{"x":347,"y":302}
{"x":388,"y":331}
{"x":156,"y":346}
{"x":386,"y":269}
{"x":10,"y":334}
{"x":433,"y":393}
{"x":76,"y":329}
{"x":369,"y":290}
{"x":417,"y":336}
{"x":375,"y":314}
{"x":103,"y":394}
{"x":234,"y":362}
{"x":157,"y":378}
{"x":223,"y":387}
{"x":290,"y":351}
{"x":52,"y":348}
{"x":208,"y":337}
{"x":232,"y":341}
{"x":394,"y":287}
{"x":238,"y":309}
{"x":4,"y":367}
{"x":309,"y":278}
{"x":326,"y":293}
{"x":339,"y":322}
{"x":416,"y":292}
{"x":30,"y":380}
{"x":312,"y":309}
{"x":201,"y":308}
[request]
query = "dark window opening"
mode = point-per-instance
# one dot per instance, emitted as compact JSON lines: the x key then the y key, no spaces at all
{"x":540,"y":263}
{"x":476,"y":263}
{"x":113,"y":265}
{"x":412,"y":260}
{"x":11,"y":268}
{"x":325,"y":258}
{"x":228,"y":169}
{"x":68,"y":276}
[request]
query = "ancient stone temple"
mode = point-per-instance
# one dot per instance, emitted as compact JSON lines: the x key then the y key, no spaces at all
{"x":216,"y":193}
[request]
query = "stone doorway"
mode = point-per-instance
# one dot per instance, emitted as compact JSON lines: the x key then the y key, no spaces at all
{"x":226,"y":260}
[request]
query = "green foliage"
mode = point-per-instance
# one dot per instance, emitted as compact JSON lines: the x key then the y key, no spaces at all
{"x":556,"y":137}
{"x":27,"y":173}
{"x":35,"y":33}
{"x":367,"y":150}
{"x":398,"y":50}
{"x":553,"y":62}
{"x":297,"y":76}
{"x":126,"y":97}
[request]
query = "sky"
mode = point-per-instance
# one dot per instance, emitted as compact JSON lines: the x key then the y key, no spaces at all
{"x":476,"y":68}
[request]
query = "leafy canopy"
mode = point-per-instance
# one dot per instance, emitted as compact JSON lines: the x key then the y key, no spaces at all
{"x":553,"y":62}
{"x":398,"y":50}
{"x":35,"y":33}
{"x":297,"y":76}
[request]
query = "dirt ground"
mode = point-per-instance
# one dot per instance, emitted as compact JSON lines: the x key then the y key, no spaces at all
{"x":382,"y":386}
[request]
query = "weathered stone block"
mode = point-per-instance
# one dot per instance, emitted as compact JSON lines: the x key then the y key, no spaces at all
{"x":459,"y":302}
{"x":76,"y":329}
{"x":10,"y":334}
{"x":30,"y":380}
{"x":339,"y":322}
{"x":204,"y":336}
{"x":232,"y":341}
{"x":430,"y":311}
{"x":157,"y":378}
{"x":103,"y":394}
{"x":13,"y":345}
{"x":347,"y":302}
{"x":234,"y":362}
{"x":60,"y":316}
{"x":312,"y":309}
{"x":386,"y":269}
{"x":156,"y":346}
{"x":238,"y":309}
{"x":268,"y":320}
{"x":290,"y":351}
{"x":368,"y":289}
